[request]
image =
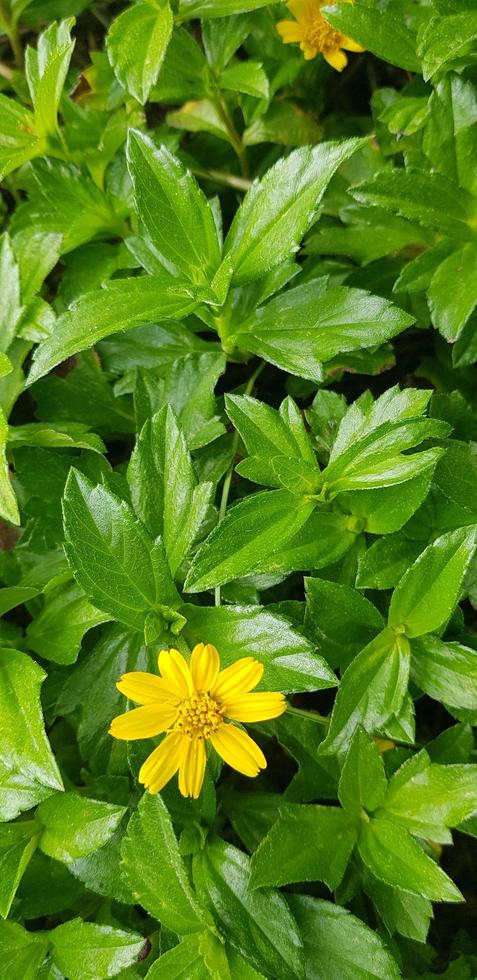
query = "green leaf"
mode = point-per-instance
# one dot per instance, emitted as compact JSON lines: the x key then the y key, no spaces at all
{"x":257,"y":923}
{"x":378,"y":31}
{"x":446,"y":38}
{"x":252,"y":531}
{"x":394,"y":857}
{"x":87,"y":951}
{"x":187,"y":960}
{"x":247,"y":77}
{"x":450,"y":309}
{"x":111,"y":555}
{"x":28,"y":771}
{"x":179,"y":505}
{"x":446,"y":671}
{"x":338,"y":945}
{"x":282,"y":858}
{"x":46,"y":70}
{"x":301,"y":329}
{"x":386,"y":561}
{"x":283,"y":123}
{"x":191,"y":9}
{"x":120,"y":305}
{"x":372,"y":690}
{"x":449,"y":139}
{"x":340,"y":619}
{"x":58,"y":630}
{"x":91,"y":692}
{"x":22,"y":952}
{"x":428,"y":198}
{"x":401,"y":912}
{"x":363,"y":779}
{"x":18,"y":843}
{"x":56,"y":434}
{"x":376,"y":458}
{"x":150,"y":843}
{"x":426,"y":595}
{"x":279,"y":209}
{"x":432,"y":799}
{"x":268,"y":434}
{"x":289,"y":658}
{"x":8,"y":501}
{"x":19,"y":140}
{"x":74,"y":826}
{"x":136,"y":44}
{"x":10,"y":285}
{"x":180,"y":225}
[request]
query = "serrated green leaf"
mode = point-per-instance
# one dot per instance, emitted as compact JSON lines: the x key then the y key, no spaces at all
{"x":136,"y":44}
{"x":149,"y":846}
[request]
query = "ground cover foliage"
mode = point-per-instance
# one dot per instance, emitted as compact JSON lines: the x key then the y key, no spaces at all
{"x":238,"y":310}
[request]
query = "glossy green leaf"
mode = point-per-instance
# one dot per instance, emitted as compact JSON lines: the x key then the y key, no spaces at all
{"x":86,"y":950}
{"x":120,"y":305}
{"x":22,"y":952}
{"x":258,"y":922}
{"x":136,"y":44}
{"x":427,"y":593}
{"x":363,"y":779}
{"x":372,"y":690}
{"x":445,"y":670}
{"x":304,"y":328}
{"x":166,"y":893}
{"x":180,"y":225}
{"x":338,"y":945}
{"x":290,"y":660}
{"x":28,"y":771}
{"x":445,"y":38}
{"x":387,"y":36}
{"x":74,"y":826}
{"x":281,"y":858}
{"x":252,"y":531}
{"x":278,"y":210}
{"x":18,"y":843}
{"x":58,"y":630}
{"x":111,"y":555}
{"x":392,"y":855}
{"x":179,"y":505}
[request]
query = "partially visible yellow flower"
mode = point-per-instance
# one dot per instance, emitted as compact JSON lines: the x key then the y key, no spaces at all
{"x":314,"y":34}
{"x":191,"y":702}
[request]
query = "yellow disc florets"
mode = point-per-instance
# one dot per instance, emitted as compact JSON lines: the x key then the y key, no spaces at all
{"x":200,"y":716}
{"x":322,"y":37}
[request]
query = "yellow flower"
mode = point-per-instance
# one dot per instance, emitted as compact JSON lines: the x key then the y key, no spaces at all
{"x":314,"y":34}
{"x":191,"y":702}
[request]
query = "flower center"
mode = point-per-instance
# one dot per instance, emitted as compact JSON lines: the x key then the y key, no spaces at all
{"x":322,"y":37}
{"x":200,"y":716}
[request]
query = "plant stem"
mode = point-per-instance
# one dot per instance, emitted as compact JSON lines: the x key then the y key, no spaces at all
{"x":228,"y":476}
{"x":233,"y":134}
{"x":309,"y":715}
{"x":229,"y":180}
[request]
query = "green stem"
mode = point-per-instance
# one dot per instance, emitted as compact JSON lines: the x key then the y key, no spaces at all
{"x":309,"y":715}
{"x":228,"y":476}
{"x":229,"y":180}
{"x":233,"y":134}
{"x":10,"y":28}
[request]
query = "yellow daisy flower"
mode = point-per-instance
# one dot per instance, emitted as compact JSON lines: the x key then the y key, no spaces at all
{"x":314,"y":34}
{"x":191,"y":702}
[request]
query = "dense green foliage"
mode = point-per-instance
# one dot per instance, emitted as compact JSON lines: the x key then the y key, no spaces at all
{"x":238,"y":406}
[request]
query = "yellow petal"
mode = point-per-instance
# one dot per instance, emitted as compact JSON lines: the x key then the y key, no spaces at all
{"x":204,"y":666}
{"x":238,"y":750}
{"x":289,"y":31}
{"x":309,"y":51}
{"x":255,"y":707}
{"x":337,"y":59}
{"x":145,"y":688}
{"x":237,"y":679}
{"x":151,"y":719}
{"x":351,"y":45}
{"x":164,"y":762}
{"x":176,"y":672}
{"x":192,"y":770}
{"x":304,"y":10}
